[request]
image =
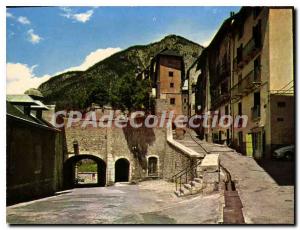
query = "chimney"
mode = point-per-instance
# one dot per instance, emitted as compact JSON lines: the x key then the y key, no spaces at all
{"x":231,"y":13}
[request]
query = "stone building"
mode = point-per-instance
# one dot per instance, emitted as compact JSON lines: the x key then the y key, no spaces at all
{"x":167,"y":75}
{"x":122,"y":154}
{"x":34,"y":150}
{"x":250,"y":70}
{"x":192,"y":77}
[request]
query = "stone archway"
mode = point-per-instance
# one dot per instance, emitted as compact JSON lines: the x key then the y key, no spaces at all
{"x":122,"y":167}
{"x":69,"y":171}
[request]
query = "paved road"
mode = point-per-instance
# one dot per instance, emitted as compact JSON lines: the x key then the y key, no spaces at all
{"x":150,"y":202}
{"x":264,"y":200}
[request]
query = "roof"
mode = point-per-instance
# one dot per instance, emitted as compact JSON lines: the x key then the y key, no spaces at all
{"x":168,"y":52}
{"x":34,"y":92}
{"x":20,"y":99}
{"x":17,"y":112}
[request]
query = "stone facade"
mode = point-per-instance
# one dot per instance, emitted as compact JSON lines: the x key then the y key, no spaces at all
{"x":135,"y":145}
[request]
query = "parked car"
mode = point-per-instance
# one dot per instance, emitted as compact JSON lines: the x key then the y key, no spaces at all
{"x":287,"y":152}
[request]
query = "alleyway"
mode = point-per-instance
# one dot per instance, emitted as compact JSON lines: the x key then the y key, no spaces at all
{"x":150,"y":202}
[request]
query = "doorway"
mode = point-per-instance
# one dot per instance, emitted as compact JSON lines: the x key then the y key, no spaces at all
{"x":152,"y":166}
{"x":122,"y":170}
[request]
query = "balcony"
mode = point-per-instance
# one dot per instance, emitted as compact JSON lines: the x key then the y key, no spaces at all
{"x":247,"y":53}
{"x":255,"y":112}
{"x":221,"y":73}
{"x":251,"y":49}
{"x":249,"y":83}
{"x":225,"y":70}
{"x":220,"y":99}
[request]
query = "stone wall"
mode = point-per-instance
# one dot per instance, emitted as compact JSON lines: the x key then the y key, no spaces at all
{"x":134,"y":144}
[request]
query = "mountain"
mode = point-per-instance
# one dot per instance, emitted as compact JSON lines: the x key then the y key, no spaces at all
{"x":78,"y":89}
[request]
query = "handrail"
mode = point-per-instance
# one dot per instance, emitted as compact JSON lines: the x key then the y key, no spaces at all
{"x":189,"y":169}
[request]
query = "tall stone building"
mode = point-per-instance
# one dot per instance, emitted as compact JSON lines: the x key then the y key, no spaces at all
{"x":167,"y":76}
{"x":250,"y":67}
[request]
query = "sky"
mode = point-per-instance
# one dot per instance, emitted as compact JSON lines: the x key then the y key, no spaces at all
{"x":45,"y":41}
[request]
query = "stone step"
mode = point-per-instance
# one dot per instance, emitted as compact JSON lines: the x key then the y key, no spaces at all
{"x":196,"y":184}
{"x":184,"y":191}
{"x":198,"y":179}
{"x":187,"y":186}
{"x":177,"y":193}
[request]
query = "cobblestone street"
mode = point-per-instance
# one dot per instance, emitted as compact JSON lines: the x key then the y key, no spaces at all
{"x":150,"y":202}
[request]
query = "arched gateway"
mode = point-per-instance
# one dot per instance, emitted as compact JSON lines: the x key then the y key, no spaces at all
{"x":69,"y":171}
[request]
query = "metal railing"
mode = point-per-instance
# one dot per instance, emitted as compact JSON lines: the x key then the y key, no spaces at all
{"x":220,"y":99}
{"x":249,"y":51}
{"x":250,"y":48}
{"x":190,"y":171}
{"x":188,"y":174}
{"x":247,"y":84}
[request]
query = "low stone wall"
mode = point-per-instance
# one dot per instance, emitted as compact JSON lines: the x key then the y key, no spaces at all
{"x":210,"y":168}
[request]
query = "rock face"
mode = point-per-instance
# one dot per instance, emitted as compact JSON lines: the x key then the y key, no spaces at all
{"x":82,"y":87}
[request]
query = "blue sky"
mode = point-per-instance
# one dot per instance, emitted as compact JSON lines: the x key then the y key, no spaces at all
{"x":48,"y":40}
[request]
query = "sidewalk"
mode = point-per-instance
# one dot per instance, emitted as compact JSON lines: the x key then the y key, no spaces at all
{"x":264,"y":201}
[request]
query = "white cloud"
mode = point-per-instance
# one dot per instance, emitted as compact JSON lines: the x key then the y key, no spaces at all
{"x":93,"y":58}
{"x":83,"y":17}
{"x":9,"y":15}
{"x":20,"y":77}
{"x":23,"y":20}
{"x":80,"y":17}
{"x":32,"y":37}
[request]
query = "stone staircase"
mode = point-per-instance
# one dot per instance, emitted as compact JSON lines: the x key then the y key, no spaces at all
{"x":193,"y":187}
{"x":204,"y":176}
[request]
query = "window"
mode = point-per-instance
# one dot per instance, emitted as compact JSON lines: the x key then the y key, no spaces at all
{"x":281,"y":104}
{"x":257,"y":69}
{"x":240,"y":108}
{"x":280,"y":119}
{"x":171,"y":73}
{"x":256,"y":32}
{"x":256,"y":99}
{"x":172,"y":101}
{"x":184,"y":100}
{"x":171,"y":85}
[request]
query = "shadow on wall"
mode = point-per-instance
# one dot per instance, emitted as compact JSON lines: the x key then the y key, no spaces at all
{"x":138,"y":140}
